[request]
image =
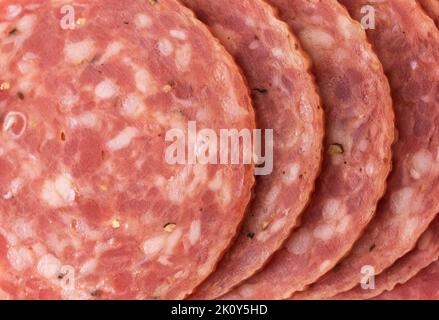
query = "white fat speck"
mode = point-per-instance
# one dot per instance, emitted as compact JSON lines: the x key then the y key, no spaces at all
{"x":400,"y":201}
{"x":422,"y":163}
{"x":8,"y":195}
{"x":142,"y":21}
{"x":183,"y":56}
{"x":178,"y":34}
{"x":246,"y":291}
{"x":344,"y":224}
{"x":216,"y":183}
{"x":133,"y":106}
{"x":164,"y":260}
{"x":277,"y":53}
{"x":123,"y":139}
{"x":87,"y":120}
{"x":325,"y":266}
{"x":68,"y":102}
{"x":250,"y":22}
{"x":144,"y":82}
{"x":277,"y":225}
{"x":26,"y":23}
{"x":317,"y":38}
{"x":172,"y":241}
{"x":106,"y":89}
{"x":300,"y":242}
{"x":370,"y":169}
{"x":181,"y":274}
{"x":154,"y":245}
{"x":25,"y":85}
{"x":254,"y":45}
{"x":112,"y":49}
{"x":349,"y":29}
{"x":13,"y":11}
{"x":272,"y":195}
{"x":165,"y":47}
{"x":292,"y":173}
{"x":24,"y":67}
{"x":410,"y":227}
{"x":414,"y":65}
{"x":12,"y":119}
{"x":48,"y":266}
{"x":15,"y":186}
{"x":195,"y":232}
{"x":23,"y":228}
{"x":333,"y":208}
{"x":88,"y":267}
{"x":324,"y":232}
{"x":78,"y":52}
{"x":20,"y":258}
{"x":59,"y":192}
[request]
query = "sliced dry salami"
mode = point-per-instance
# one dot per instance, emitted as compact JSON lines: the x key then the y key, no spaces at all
{"x":425,"y":253}
{"x":360,"y":132}
{"x":286,"y":101}
{"x":407,"y":43}
{"x":422,"y":287}
{"x":432,"y":9}
{"x":89,"y":206}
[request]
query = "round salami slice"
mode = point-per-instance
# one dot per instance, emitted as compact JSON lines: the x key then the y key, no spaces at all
{"x":92,"y":205}
{"x":425,"y":253}
{"x":422,"y":287}
{"x":432,"y":9}
{"x":360,"y":133}
{"x":407,"y":43}
{"x":286,"y":101}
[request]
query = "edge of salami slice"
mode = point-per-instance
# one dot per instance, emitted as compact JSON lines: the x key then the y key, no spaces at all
{"x":422,"y":287}
{"x":407,"y":43}
{"x":406,"y":268}
{"x":360,"y":132}
{"x":286,"y":101}
{"x":432,"y":9}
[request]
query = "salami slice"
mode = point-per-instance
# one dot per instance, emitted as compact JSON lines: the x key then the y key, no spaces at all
{"x":360,"y":132}
{"x":422,"y":287}
{"x":425,"y":253}
{"x":91,"y":208}
{"x":407,"y":43}
{"x":432,"y":9}
{"x":286,"y":102}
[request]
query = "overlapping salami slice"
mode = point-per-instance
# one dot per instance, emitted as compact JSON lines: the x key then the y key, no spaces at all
{"x":89,"y":206}
{"x":407,"y":43}
{"x":422,"y":287}
{"x":432,"y":9}
{"x":360,"y":132}
{"x":286,"y":102}
{"x":425,"y":253}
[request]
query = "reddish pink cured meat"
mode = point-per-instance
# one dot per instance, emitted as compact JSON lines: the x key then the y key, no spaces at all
{"x":422,"y":287}
{"x":286,"y":100}
{"x":407,"y":43}
{"x":360,"y":132}
{"x":89,"y":207}
{"x":432,"y":9}
{"x":425,"y":253}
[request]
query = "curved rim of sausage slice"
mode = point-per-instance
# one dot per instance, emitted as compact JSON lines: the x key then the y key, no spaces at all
{"x":432,"y":9}
{"x":406,"y":268}
{"x":360,"y":133}
{"x":407,"y":43}
{"x":422,"y":287}
{"x":91,"y":209}
{"x":286,"y":101}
